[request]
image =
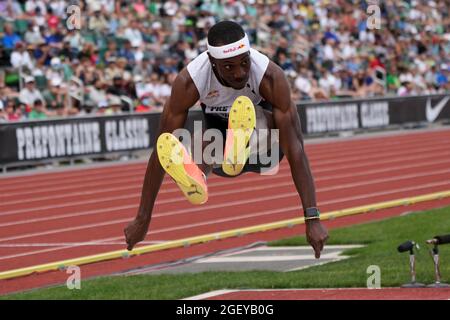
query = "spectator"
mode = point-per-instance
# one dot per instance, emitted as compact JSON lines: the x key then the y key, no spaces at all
{"x":123,"y":66}
{"x":159,"y":90}
{"x":12,"y":113}
{"x":10,"y":38}
{"x":38,"y":111}
{"x":55,"y":73}
{"x":20,"y":58}
{"x":3,"y":115}
{"x":303,"y":84}
{"x":406,"y":89}
{"x":39,"y":16}
{"x":442,"y":75}
{"x":32,"y":5}
{"x":42,"y":55}
{"x":96,"y":94}
{"x":59,"y":7}
{"x":144,"y":68}
{"x":140,"y":9}
{"x":52,"y":19}
{"x":54,"y":39}
{"x":30,"y":94}
{"x":127,"y":52}
{"x":111,"y":52}
{"x":119,"y":87}
{"x":11,"y":9}
{"x":392,"y":80}
{"x":112,"y":70}
{"x":114,"y":106}
{"x":97,"y":21}
{"x":102,"y":108}
{"x":76,"y":42}
{"x":33,"y":35}
{"x":325,"y":48}
{"x":55,"y":95}
{"x":134,"y":35}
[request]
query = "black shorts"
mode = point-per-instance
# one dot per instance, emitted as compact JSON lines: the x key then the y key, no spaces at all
{"x":217,"y":122}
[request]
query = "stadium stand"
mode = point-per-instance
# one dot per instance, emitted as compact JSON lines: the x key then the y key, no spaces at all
{"x":133,"y":50}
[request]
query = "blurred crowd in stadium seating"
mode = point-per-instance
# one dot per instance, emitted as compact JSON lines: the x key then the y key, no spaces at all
{"x":128,"y":53}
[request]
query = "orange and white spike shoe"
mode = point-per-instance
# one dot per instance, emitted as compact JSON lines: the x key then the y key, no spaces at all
{"x":241,"y":124}
{"x":177,"y":162}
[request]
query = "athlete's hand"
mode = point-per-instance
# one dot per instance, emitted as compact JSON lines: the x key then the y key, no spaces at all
{"x":316,"y":235}
{"x":136,"y":231}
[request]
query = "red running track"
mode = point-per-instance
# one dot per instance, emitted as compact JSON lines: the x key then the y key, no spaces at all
{"x":48,"y":217}
{"x":336,"y":294}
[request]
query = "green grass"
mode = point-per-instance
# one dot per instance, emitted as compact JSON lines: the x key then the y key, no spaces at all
{"x":381,"y":240}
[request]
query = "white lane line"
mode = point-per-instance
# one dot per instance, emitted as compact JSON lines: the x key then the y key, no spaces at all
{"x":297,"y":248}
{"x":293,"y":209}
{"x":135,"y":166}
{"x":126,"y":196}
{"x":71,"y":244}
{"x":316,"y":170}
{"x":111,"y":178}
{"x":211,"y":294}
{"x":331,"y":255}
{"x":48,"y":179}
{"x":227,"y":192}
{"x":339,"y":258}
{"x":300,"y":248}
{"x":73,"y":215}
{"x":411,"y":163}
{"x":380,"y":155}
{"x":373,"y":151}
{"x":339,"y":176}
{"x":136,"y":178}
{"x":258,"y":199}
{"x":315,"y":151}
{"x":121,"y":208}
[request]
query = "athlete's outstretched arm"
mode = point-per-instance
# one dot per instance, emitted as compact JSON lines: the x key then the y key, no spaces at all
{"x":183,"y":96}
{"x":275,"y":89}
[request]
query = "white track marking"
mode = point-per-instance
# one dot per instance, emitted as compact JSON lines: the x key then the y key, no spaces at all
{"x":410,"y":164}
{"x":296,"y":207}
{"x":61,"y":186}
{"x":139,"y":176}
{"x":211,"y":294}
{"x":181,"y":198}
{"x":339,"y":176}
{"x":124,"y":197}
{"x":72,"y":244}
{"x":292,"y":209}
{"x":316,"y":149}
{"x":250,"y":200}
{"x":331,"y":255}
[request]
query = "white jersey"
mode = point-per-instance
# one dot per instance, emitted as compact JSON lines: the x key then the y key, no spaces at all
{"x":216,"y":99}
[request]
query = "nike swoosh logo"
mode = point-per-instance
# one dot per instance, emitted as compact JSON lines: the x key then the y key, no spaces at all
{"x":433,"y":112}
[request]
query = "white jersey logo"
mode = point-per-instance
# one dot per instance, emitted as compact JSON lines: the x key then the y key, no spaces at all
{"x":221,"y":111}
{"x":433,"y":112}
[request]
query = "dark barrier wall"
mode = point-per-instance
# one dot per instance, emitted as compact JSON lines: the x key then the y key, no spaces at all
{"x":374,"y":113}
{"x":72,"y":137}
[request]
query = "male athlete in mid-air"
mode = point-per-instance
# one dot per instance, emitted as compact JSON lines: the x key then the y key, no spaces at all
{"x":229,"y":74}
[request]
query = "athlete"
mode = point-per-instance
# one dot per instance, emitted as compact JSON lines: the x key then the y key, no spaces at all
{"x":240,"y":91}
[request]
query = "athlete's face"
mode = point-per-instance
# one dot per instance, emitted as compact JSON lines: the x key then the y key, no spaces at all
{"x":234,"y":71}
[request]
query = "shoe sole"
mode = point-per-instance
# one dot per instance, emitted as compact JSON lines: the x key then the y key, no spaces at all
{"x":171,"y":155}
{"x":241,"y":124}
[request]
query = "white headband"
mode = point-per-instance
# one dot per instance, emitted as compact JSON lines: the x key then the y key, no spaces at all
{"x":230,"y":50}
